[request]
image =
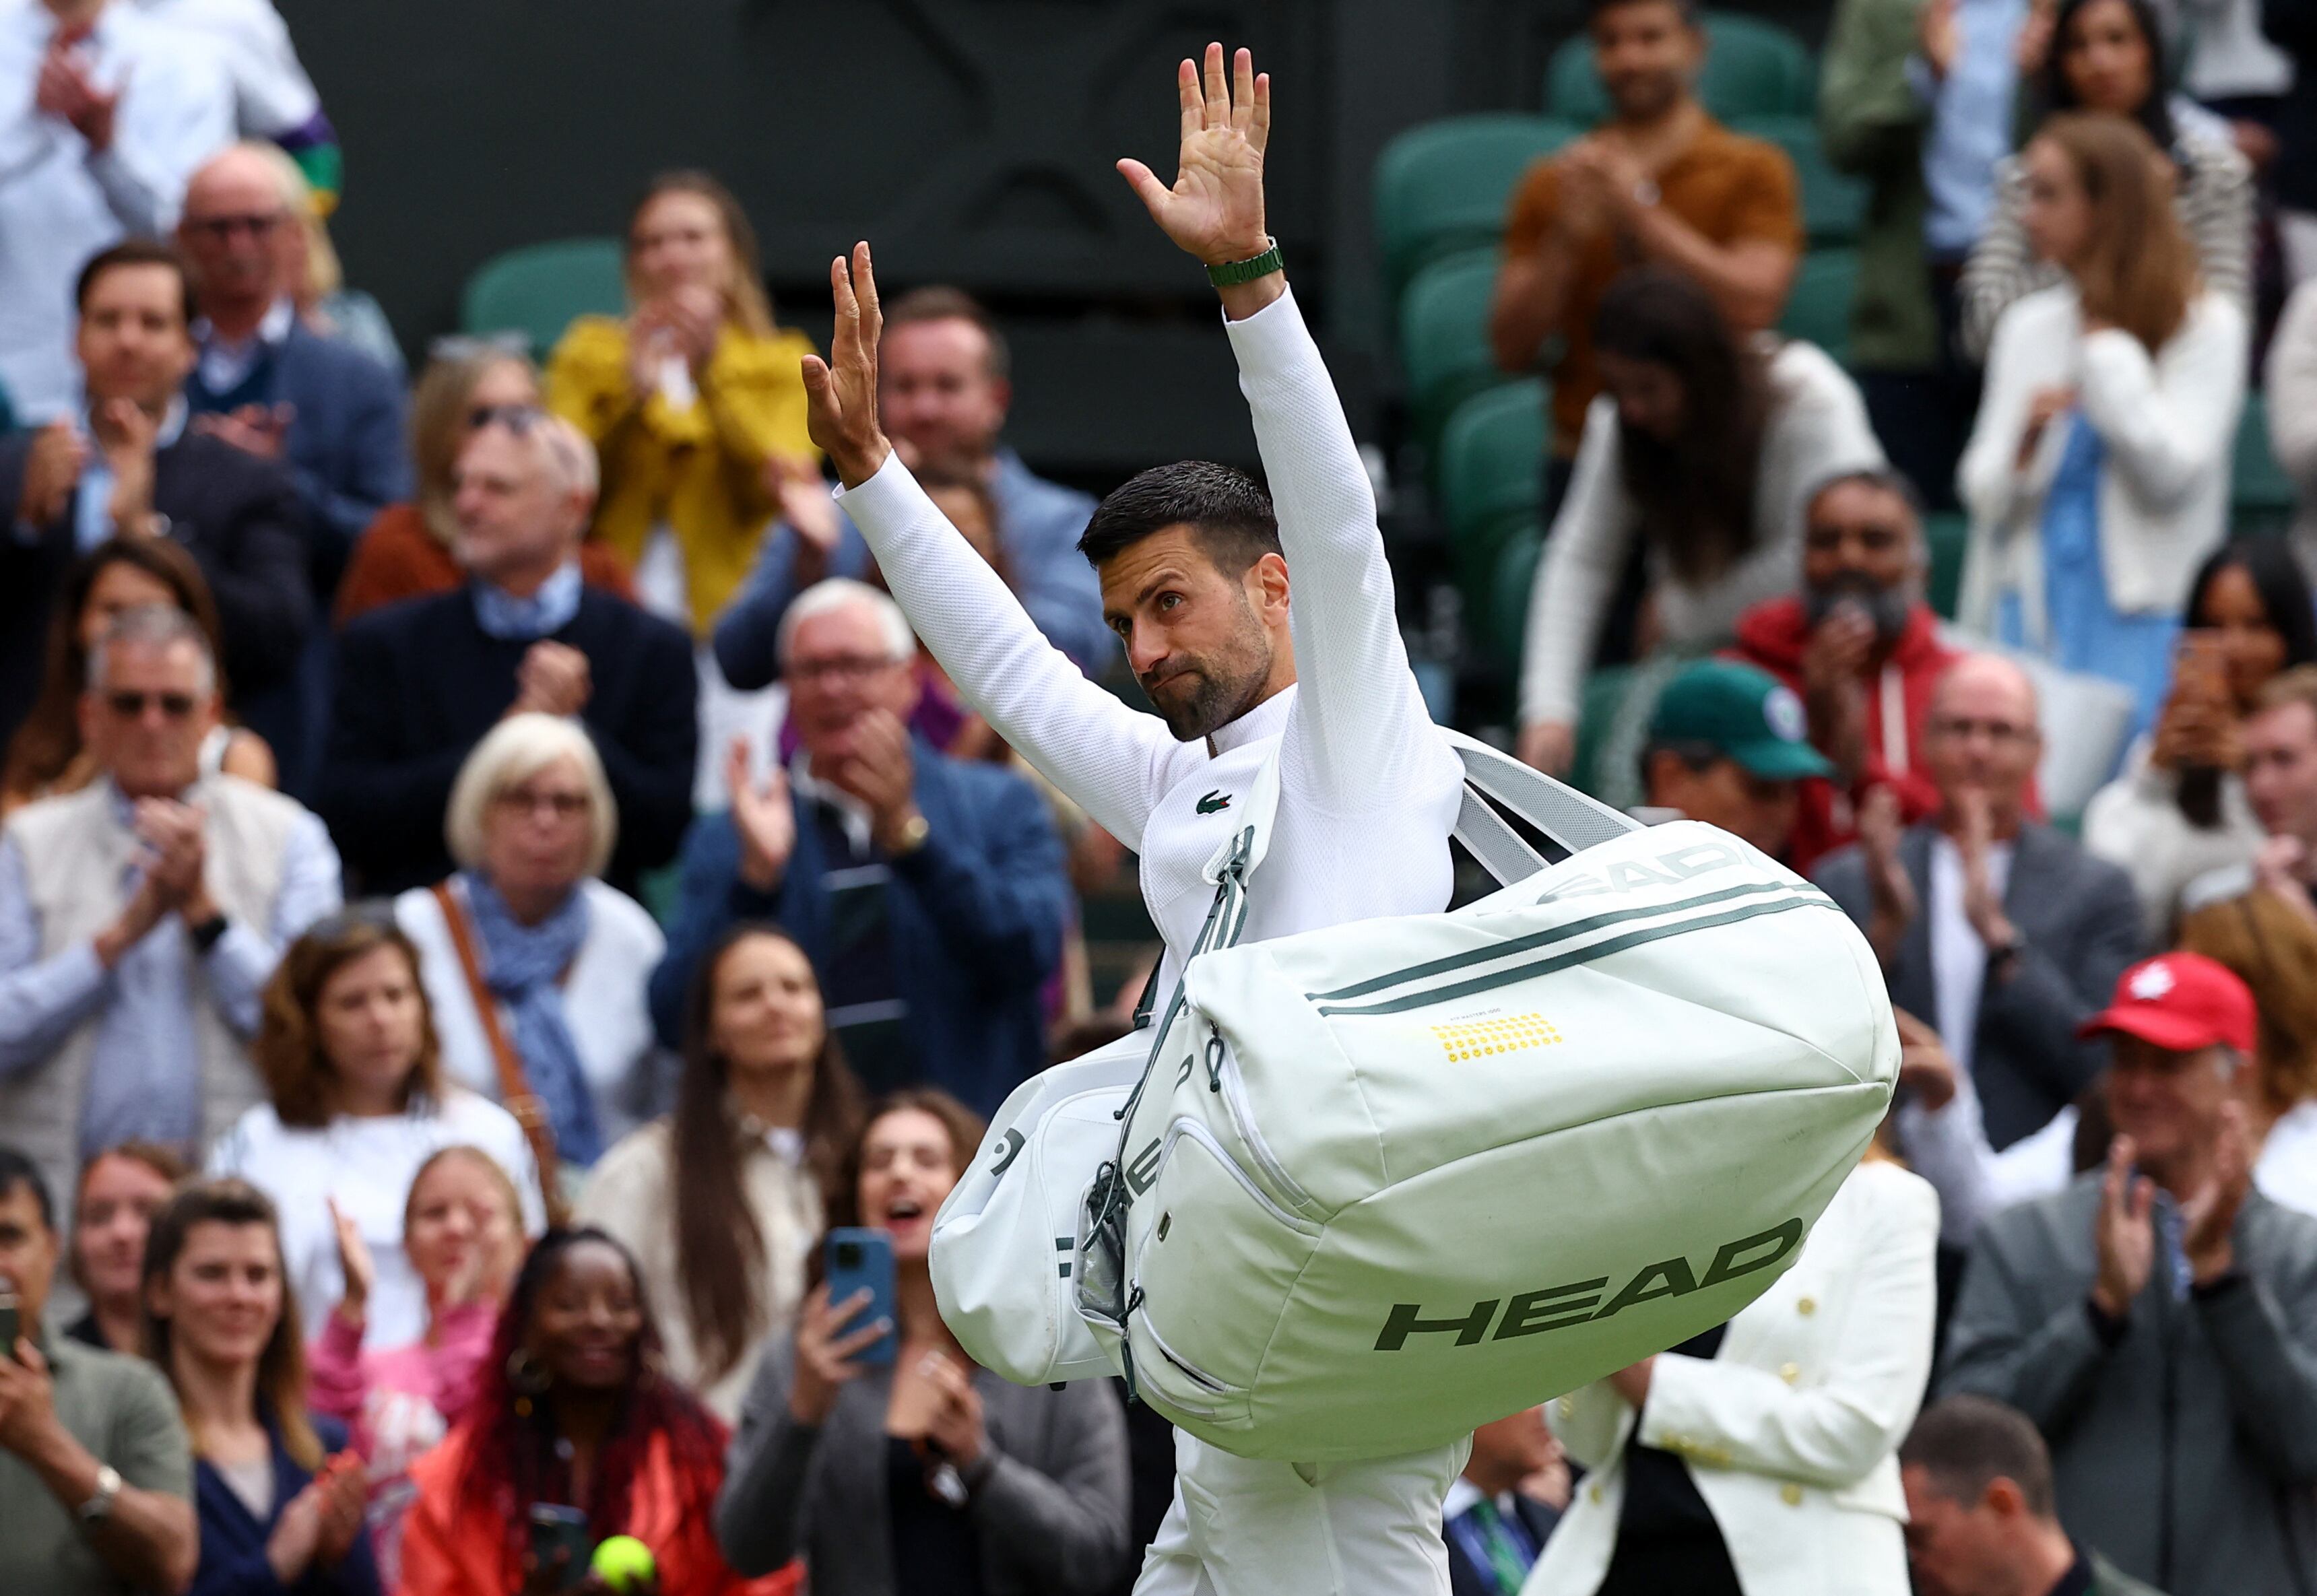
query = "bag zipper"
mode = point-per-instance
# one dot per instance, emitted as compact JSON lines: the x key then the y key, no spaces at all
{"x":1206,"y":1138}
{"x":1234,"y":1087}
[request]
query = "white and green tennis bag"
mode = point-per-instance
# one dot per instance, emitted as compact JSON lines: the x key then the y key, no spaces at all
{"x":1385,"y":1181}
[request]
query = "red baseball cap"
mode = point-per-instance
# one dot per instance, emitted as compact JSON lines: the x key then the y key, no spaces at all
{"x":2179,"y":1002}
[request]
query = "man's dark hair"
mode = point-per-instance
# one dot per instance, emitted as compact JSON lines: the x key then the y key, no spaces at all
{"x":135,"y":252}
{"x":1696,"y":756}
{"x":1887,"y":479}
{"x":17,"y":1169}
{"x":940,"y":302}
{"x":1967,"y":1443}
{"x":1688,"y":9}
{"x":1227,"y":510}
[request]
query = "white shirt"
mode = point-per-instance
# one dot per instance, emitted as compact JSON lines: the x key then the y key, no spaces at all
{"x":1958,"y":958}
{"x":225,"y":362}
{"x":272,"y":94}
{"x":60,"y":202}
{"x":365,"y":1166}
{"x":1368,"y":787}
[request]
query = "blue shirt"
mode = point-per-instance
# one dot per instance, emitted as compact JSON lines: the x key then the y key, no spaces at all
{"x":145,"y":1075}
{"x":549,"y":610}
{"x":1969,"y":125}
{"x":92,"y":500}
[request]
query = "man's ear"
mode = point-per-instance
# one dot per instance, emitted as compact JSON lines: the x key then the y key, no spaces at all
{"x":1266,"y":583}
{"x":2004,"y":1498}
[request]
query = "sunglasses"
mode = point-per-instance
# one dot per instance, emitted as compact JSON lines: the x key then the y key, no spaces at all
{"x":131,"y":706}
{"x":466,"y":346}
{"x":518,"y":419}
{"x":223,"y":227}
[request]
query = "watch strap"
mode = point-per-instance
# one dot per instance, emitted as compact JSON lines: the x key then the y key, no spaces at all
{"x":99,"y":1505}
{"x":208,"y":933}
{"x":1232,"y":272}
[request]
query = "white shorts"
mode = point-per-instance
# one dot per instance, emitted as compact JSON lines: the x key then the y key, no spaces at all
{"x":1243,"y":1527}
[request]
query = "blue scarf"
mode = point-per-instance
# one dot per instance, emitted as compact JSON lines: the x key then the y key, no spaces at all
{"x":521,"y":965}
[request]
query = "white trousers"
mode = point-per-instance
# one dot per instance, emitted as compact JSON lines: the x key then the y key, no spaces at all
{"x":1246,"y":1527}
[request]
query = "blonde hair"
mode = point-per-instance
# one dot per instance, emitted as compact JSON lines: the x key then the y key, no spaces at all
{"x":747,"y":306}
{"x":439,"y":407}
{"x":2140,"y":268}
{"x":518,"y":749}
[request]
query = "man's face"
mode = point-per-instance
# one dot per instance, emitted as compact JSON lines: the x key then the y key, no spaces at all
{"x":145,"y":722}
{"x":28,"y":1255}
{"x":233,"y":213}
{"x":2168,"y":1103}
{"x":937,"y":393}
{"x":1860,"y":545}
{"x":1980,"y":735}
{"x":1757,"y":809}
{"x":1647,"y":56}
{"x":132,"y":340}
{"x":512,"y":516}
{"x":2280,"y":772}
{"x":1955,"y":1548}
{"x":839,"y":668}
{"x":1195,"y":635}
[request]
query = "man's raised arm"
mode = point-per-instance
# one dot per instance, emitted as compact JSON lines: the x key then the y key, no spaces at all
{"x":1362,"y":717}
{"x":1112,"y":761}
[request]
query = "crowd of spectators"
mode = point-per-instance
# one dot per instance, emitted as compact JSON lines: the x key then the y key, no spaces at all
{"x":390,"y":1201}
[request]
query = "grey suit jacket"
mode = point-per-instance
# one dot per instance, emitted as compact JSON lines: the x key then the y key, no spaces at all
{"x":1050,"y":1517}
{"x":2082,"y":928}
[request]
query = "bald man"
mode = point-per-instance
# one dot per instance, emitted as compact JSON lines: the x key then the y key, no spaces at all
{"x":266,"y":380}
{"x":2001,"y":933}
{"x":420,"y":682}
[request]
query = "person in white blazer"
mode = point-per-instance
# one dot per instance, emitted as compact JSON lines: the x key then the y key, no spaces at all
{"x":1706,"y":444}
{"x":1791,"y":1431}
{"x":2097,"y":475}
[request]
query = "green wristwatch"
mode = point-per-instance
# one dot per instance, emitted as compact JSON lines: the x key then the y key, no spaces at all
{"x":1237,"y":271}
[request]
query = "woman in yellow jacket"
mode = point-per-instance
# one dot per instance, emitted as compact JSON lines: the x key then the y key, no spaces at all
{"x":694,"y":401}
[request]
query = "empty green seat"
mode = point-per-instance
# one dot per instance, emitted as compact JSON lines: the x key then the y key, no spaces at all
{"x":1443,"y":338}
{"x":1488,"y":473}
{"x":1501,"y":604}
{"x":1445,"y":186}
{"x":1752,"y":68}
{"x":1818,"y":306}
{"x":540,"y":291}
{"x":1834,"y":203}
{"x":1946,"y":533}
{"x":2261,"y":496}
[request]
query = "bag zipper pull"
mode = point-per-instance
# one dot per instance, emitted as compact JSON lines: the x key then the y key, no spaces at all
{"x":1214,"y":1057}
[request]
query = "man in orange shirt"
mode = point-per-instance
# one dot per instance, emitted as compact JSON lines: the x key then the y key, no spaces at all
{"x":1663,"y":182}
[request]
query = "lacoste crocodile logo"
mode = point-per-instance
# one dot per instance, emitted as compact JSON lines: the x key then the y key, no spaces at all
{"x":1214,"y":801}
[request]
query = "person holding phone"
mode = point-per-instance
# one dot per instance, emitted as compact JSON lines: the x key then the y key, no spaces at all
{"x":575,"y":1434}
{"x":279,"y":1492}
{"x":2180,"y":808}
{"x":871,"y":1448}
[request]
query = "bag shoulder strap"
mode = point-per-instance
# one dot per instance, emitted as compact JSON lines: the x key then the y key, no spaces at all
{"x":515,"y":1094}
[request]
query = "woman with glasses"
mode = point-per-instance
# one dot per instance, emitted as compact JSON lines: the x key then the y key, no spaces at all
{"x":357,"y":1104}
{"x":537,"y":968}
{"x":694,"y":401}
{"x":46,"y":755}
{"x":406,"y":552}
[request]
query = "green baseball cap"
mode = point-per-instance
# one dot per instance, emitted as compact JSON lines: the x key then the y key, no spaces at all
{"x":1745,"y":713}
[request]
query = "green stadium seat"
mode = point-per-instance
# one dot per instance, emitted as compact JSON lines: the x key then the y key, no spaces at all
{"x":1443,"y":338}
{"x":1818,"y":306}
{"x":540,"y":291}
{"x":2262,"y":498}
{"x":1443,"y":187}
{"x":1752,"y":68}
{"x":1945,"y":535}
{"x":1834,"y":203}
{"x":1502,"y":606}
{"x":1488,"y":473}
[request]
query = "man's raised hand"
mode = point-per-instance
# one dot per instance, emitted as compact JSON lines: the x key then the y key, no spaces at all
{"x":841,"y":392}
{"x":1215,"y":208}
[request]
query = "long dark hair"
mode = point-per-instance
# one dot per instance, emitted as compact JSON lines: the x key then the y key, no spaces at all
{"x":514,"y":1459}
{"x":49,"y":741}
{"x":288,"y":1049}
{"x":720,"y":1248}
{"x":2153,"y":113}
{"x":965,"y":1128}
{"x":282,"y":1365}
{"x":2277,"y":576}
{"x":1695,"y":491}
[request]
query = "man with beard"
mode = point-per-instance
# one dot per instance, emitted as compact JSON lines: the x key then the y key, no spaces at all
{"x":1861,"y":647}
{"x":1662,"y":183}
{"x":1194,"y":560}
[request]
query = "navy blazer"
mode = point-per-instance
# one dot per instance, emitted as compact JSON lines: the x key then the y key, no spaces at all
{"x":348,"y":443}
{"x":239,"y":518}
{"x":976,"y":919}
{"x":233,"y":1538}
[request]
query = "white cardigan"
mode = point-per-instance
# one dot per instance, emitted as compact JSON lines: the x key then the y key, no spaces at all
{"x":2169,"y":426}
{"x":2292,"y":412}
{"x":604,"y":1001}
{"x":1791,"y":1432}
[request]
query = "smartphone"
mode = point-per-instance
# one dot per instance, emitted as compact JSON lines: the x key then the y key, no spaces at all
{"x":11,"y":1320}
{"x":2201,"y":662}
{"x":560,"y":1533}
{"x":859,"y":1258}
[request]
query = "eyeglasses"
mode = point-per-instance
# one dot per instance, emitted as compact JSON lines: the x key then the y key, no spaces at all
{"x":223,"y":227}
{"x":131,"y":706}
{"x":466,"y":346}
{"x":844,"y":668}
{"x":1998,"y":732}
{"x":561,"y":806}
{"x":518,"y":419}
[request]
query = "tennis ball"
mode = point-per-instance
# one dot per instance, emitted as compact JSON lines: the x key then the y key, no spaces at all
{"x":623,"y":1563}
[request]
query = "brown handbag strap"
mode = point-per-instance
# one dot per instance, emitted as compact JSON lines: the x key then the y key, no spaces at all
{"x":515,"y":1086}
